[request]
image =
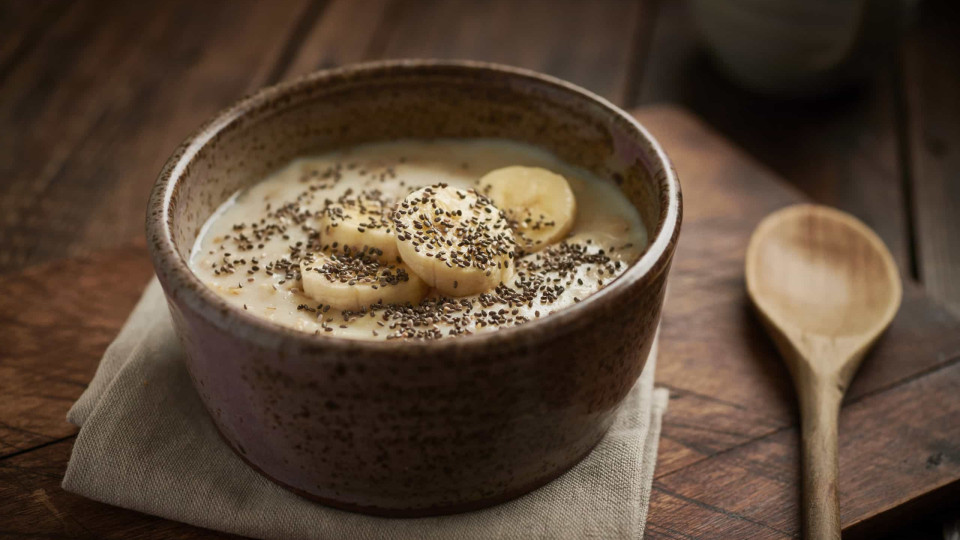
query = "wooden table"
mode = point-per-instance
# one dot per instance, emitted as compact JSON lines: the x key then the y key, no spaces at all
{"x":95,"y":95}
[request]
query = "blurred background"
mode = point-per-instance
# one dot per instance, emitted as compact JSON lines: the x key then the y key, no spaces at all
{"x":854,"y":102}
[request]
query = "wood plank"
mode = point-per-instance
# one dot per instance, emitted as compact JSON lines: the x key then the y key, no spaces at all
{"x":30,"y":492}
{"x":726,"y":193}
{"x":891,"y":443}
{"x":22,"y":24}
{"x":593,"y":44}
{"x":93,"y":111}
{"x":710,"y":411}
{"x":729,"y":389}
{"x":731,"y":416}
{"x":841,"y":150}
{"x":345,"y":34}
{"x":48,"y":354}
{"x":931,"y":83}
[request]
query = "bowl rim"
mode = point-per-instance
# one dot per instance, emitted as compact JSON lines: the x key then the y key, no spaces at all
{"x":202,"y":299}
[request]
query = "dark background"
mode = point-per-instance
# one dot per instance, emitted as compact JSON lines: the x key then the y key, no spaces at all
{"x":95,"y":95}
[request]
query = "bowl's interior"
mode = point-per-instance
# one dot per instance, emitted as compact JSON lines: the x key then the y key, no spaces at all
{"x":343,"y":108}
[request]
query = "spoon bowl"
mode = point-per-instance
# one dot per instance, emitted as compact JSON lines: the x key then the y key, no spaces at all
{"x":825,"y":287}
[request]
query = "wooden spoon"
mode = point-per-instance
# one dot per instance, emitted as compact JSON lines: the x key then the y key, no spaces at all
{"x":825,"y":287}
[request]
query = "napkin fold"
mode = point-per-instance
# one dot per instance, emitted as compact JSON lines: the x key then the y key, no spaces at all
{"x":146,"y":443}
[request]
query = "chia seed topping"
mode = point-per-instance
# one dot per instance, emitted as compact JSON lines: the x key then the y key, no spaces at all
{"x":268,"y":237}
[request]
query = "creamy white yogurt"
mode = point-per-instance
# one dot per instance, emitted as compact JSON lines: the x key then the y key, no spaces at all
{"x":260,"y":274}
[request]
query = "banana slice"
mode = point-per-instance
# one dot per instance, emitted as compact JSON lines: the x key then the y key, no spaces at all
{"x":456,"y":240}
{"x":539,"y":203}
{"x":351,"y":281}
{"x":360,"y":223}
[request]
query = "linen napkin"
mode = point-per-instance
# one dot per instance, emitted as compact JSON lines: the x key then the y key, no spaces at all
{"x":146,"y":443}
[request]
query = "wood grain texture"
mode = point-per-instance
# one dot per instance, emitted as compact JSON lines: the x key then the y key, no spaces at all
{"x":726,"y":194}
{"x":728,"y":465}
{"x":45,"y":353}
{"x":750,"y":491}
{"x":30,"y":491}
{"x":91,"y":113}
{"x":588,"y":43}
{"x":345,"y":34}
{"x":841,"y":150}
{"x":21,"y":25}
{"x":931,"y":87}
{"x":825,"y":288}
{"x":730,"y":390}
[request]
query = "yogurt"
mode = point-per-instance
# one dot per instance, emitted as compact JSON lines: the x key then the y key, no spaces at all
{"x":249,"y":250}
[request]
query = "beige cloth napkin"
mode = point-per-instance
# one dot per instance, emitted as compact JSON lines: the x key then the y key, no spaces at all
{"x":146,"y":443}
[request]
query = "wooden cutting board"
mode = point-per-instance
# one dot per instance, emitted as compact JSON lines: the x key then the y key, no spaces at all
{"x":728,"y":465}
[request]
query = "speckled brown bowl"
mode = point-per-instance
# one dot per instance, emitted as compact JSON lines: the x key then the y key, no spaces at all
{"x":414,"y":428}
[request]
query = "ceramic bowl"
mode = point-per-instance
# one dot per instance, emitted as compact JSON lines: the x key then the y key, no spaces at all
{"x":413,"y":428}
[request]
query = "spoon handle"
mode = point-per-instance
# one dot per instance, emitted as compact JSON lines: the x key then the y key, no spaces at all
{"x":819,"y":411}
